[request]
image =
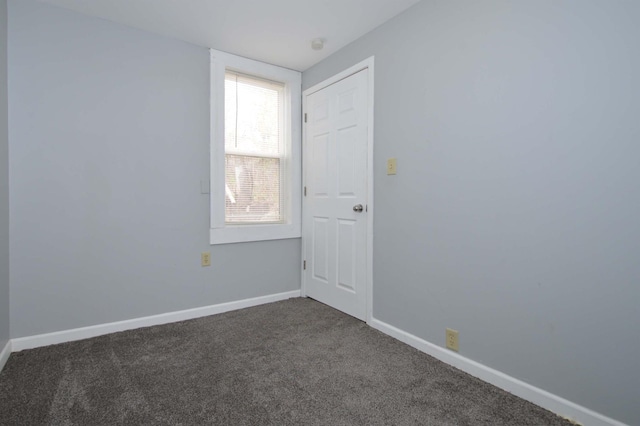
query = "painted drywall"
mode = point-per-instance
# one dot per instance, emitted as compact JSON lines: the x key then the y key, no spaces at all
{"x":514,"y":214}
{"x":4,"y":183}
{"x":109,"y":140}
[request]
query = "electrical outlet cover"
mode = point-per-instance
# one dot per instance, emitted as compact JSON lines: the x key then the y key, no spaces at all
{"x":392,"y":166}
{"x":452,"y":339}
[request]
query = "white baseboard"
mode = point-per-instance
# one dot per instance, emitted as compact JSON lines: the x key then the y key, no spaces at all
{"x":4,"y":354}
{"x":37,"y":341}
{"x":517,"y":387}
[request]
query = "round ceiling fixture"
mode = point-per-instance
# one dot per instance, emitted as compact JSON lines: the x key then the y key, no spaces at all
{"x":317,"y":44}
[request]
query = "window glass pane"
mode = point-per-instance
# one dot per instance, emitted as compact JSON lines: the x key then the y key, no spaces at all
{"x":252,"y":192}
{"x":252,"y":114}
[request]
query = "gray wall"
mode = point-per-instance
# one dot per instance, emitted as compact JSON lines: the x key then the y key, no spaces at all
{"x":4,"y":182}
{"x":108,"y":144}
{"x":514,"y":217}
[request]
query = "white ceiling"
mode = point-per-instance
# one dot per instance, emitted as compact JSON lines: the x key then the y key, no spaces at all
{"x":273,"y":31}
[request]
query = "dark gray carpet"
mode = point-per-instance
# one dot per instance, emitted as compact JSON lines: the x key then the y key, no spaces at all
{"x":296,"y":362}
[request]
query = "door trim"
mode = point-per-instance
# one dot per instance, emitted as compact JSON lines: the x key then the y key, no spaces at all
{"x":366,"y":64}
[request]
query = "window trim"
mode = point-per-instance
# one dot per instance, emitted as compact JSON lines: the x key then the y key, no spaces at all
{"x":219,"y":232}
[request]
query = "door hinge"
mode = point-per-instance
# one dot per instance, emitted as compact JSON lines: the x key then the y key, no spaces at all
{"x":305,"y":117}
{"x":366,"y":207}
{"x":305,"y":191}
{"x":304,"y":265}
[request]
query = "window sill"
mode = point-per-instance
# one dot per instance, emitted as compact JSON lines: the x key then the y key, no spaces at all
{"x":249,"y":233}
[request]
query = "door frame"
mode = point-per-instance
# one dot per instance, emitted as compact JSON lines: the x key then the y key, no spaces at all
{"x":366,"y":64}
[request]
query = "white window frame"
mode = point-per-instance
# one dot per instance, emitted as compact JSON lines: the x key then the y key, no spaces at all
{"x":291,"y":192}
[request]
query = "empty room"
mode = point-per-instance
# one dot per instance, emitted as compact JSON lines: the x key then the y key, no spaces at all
{"x":342,"y":212}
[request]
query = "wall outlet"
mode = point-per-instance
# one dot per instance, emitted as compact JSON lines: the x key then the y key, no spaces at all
{"x":205,"y":258}
{"x":452,"y":339}
{"x":392,"y":166}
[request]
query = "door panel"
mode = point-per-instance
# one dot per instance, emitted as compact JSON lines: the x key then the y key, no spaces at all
{"x":335,"y":167}
{"x":320,"y":183}
{"x":320,"y":258}
{"x":347,"y":182}
{"x":346,"y":254}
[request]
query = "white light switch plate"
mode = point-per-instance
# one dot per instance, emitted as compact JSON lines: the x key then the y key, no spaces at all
{"x":204,"y":186}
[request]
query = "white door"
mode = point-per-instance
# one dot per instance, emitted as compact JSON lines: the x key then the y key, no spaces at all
{"x":335,"y":206}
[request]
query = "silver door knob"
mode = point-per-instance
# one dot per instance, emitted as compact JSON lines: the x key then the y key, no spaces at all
{"x":358,"y":208}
